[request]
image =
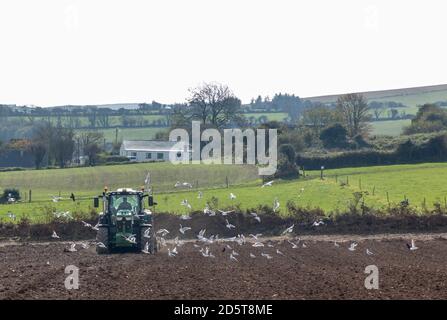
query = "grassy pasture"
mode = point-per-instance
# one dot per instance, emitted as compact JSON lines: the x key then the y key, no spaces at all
{"x":389,"y":127}
{"x":419,"y":183}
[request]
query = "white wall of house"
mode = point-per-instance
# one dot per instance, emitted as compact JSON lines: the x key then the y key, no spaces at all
{"x":142,"y":156}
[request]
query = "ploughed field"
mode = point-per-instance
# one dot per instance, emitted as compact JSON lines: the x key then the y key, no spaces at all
{"x":320,"y":270}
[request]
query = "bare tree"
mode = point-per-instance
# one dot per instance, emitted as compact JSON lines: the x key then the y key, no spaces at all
{"x":90,"y":142}
{"x":354,"y":111}
{"x":38,"y":149}
{"x":377,"y":113}
{"x":215,"y":104}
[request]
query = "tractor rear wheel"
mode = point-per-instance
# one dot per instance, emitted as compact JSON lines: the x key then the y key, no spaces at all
{"x":151,"y":240}
{"x":102,"y":236}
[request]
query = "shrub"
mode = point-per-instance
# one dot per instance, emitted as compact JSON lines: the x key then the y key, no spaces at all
{"x":10,"y":193}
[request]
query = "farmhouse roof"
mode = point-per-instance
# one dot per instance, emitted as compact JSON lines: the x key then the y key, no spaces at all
{"x":152,"y":145}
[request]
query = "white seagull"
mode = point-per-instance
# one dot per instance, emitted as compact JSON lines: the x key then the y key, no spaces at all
{"x":267,"y":184}
{"x":255,"y":216}
{"x":183,"y":229}
{"x":276,"y":205}
{"x":54,"y":235}
{"x":317,"y":223}
{"x":229,"y":225}
{"x":352,"y":246}
{"x":225,"y":213}
{"x":162,"y":232}
{"x":146,"y":248}
{"x":412,"y":247}
{"x":288,"y":230}
{"x":232,"y":196}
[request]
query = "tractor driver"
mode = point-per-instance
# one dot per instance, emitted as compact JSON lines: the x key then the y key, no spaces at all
{"x":125,"y":205}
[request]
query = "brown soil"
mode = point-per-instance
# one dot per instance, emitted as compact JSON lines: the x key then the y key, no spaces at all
{"x":322,"y":270}
{"x":35,"y":270}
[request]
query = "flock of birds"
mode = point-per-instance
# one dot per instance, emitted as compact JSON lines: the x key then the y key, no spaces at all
{"x":253,"y":239}
{"x":203,"y":243}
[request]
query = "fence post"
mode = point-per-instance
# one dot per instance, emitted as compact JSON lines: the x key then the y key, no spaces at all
{"x":226,"y":179}
{"x":30,"y":195}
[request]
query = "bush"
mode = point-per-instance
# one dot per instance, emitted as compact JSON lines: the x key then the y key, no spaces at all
{"x":111,"y":159}
{"x":334,"y":136}
{"x":434,"y":150}
{"x":10,"y":193}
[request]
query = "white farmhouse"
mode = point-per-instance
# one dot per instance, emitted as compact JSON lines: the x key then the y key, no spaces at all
{"x":149,"y":150}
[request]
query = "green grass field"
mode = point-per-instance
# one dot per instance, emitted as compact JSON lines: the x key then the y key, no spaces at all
{"x":418,"y":183}
{"x":389,"y":127}
{"x":129,"y":133}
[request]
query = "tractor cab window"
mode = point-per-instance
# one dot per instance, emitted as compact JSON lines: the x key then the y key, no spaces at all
{"x":124,"y":204}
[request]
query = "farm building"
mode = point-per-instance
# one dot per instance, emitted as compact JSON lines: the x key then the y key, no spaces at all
{"x":150,"y":150}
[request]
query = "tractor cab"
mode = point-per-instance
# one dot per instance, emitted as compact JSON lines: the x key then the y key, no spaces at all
{"x":125,"y":222}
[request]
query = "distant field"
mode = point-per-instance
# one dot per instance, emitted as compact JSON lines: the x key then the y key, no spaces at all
{"x":273,"y":116}
{"x":129,"y":133}
{"x":412,"y":97}
{"x":399,"y":181}
{"x":389,"y":127}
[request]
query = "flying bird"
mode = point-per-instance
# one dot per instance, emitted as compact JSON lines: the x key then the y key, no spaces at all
{"x":294,"y":245}
{"x":229,"y":225}
{"x":276,"y":205}
{"x":184,"y":229}
{"x":289,"y":229}
{"x":255,"y":236}
{"x":101,"y":245}
{"x":352,"y":246}
{"x":255,"y":216}
{"x":54,"y":235}
{"x":186,"y":204}
{"x":279,"y":252}
{"x":56,"y":199}
{"x":163,"y":232}
{"x":369,"y":253}
{"x":146,"y":248}
{"x":225,"y":213}
{"x":267,"y":184}
{"x":232,"y":257}
{"x":131,"y":239}
{"x":172,"y":253}
{"x":257,"y":244}
{"x":317,"y":223}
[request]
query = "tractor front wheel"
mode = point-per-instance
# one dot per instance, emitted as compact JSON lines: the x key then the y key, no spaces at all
{"x":102,"y":236}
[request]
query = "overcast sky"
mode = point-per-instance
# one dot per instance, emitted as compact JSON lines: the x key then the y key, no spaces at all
{"x":55,"y":52}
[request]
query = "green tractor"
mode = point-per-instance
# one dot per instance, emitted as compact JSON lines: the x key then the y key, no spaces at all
{"x":124,"y":223}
